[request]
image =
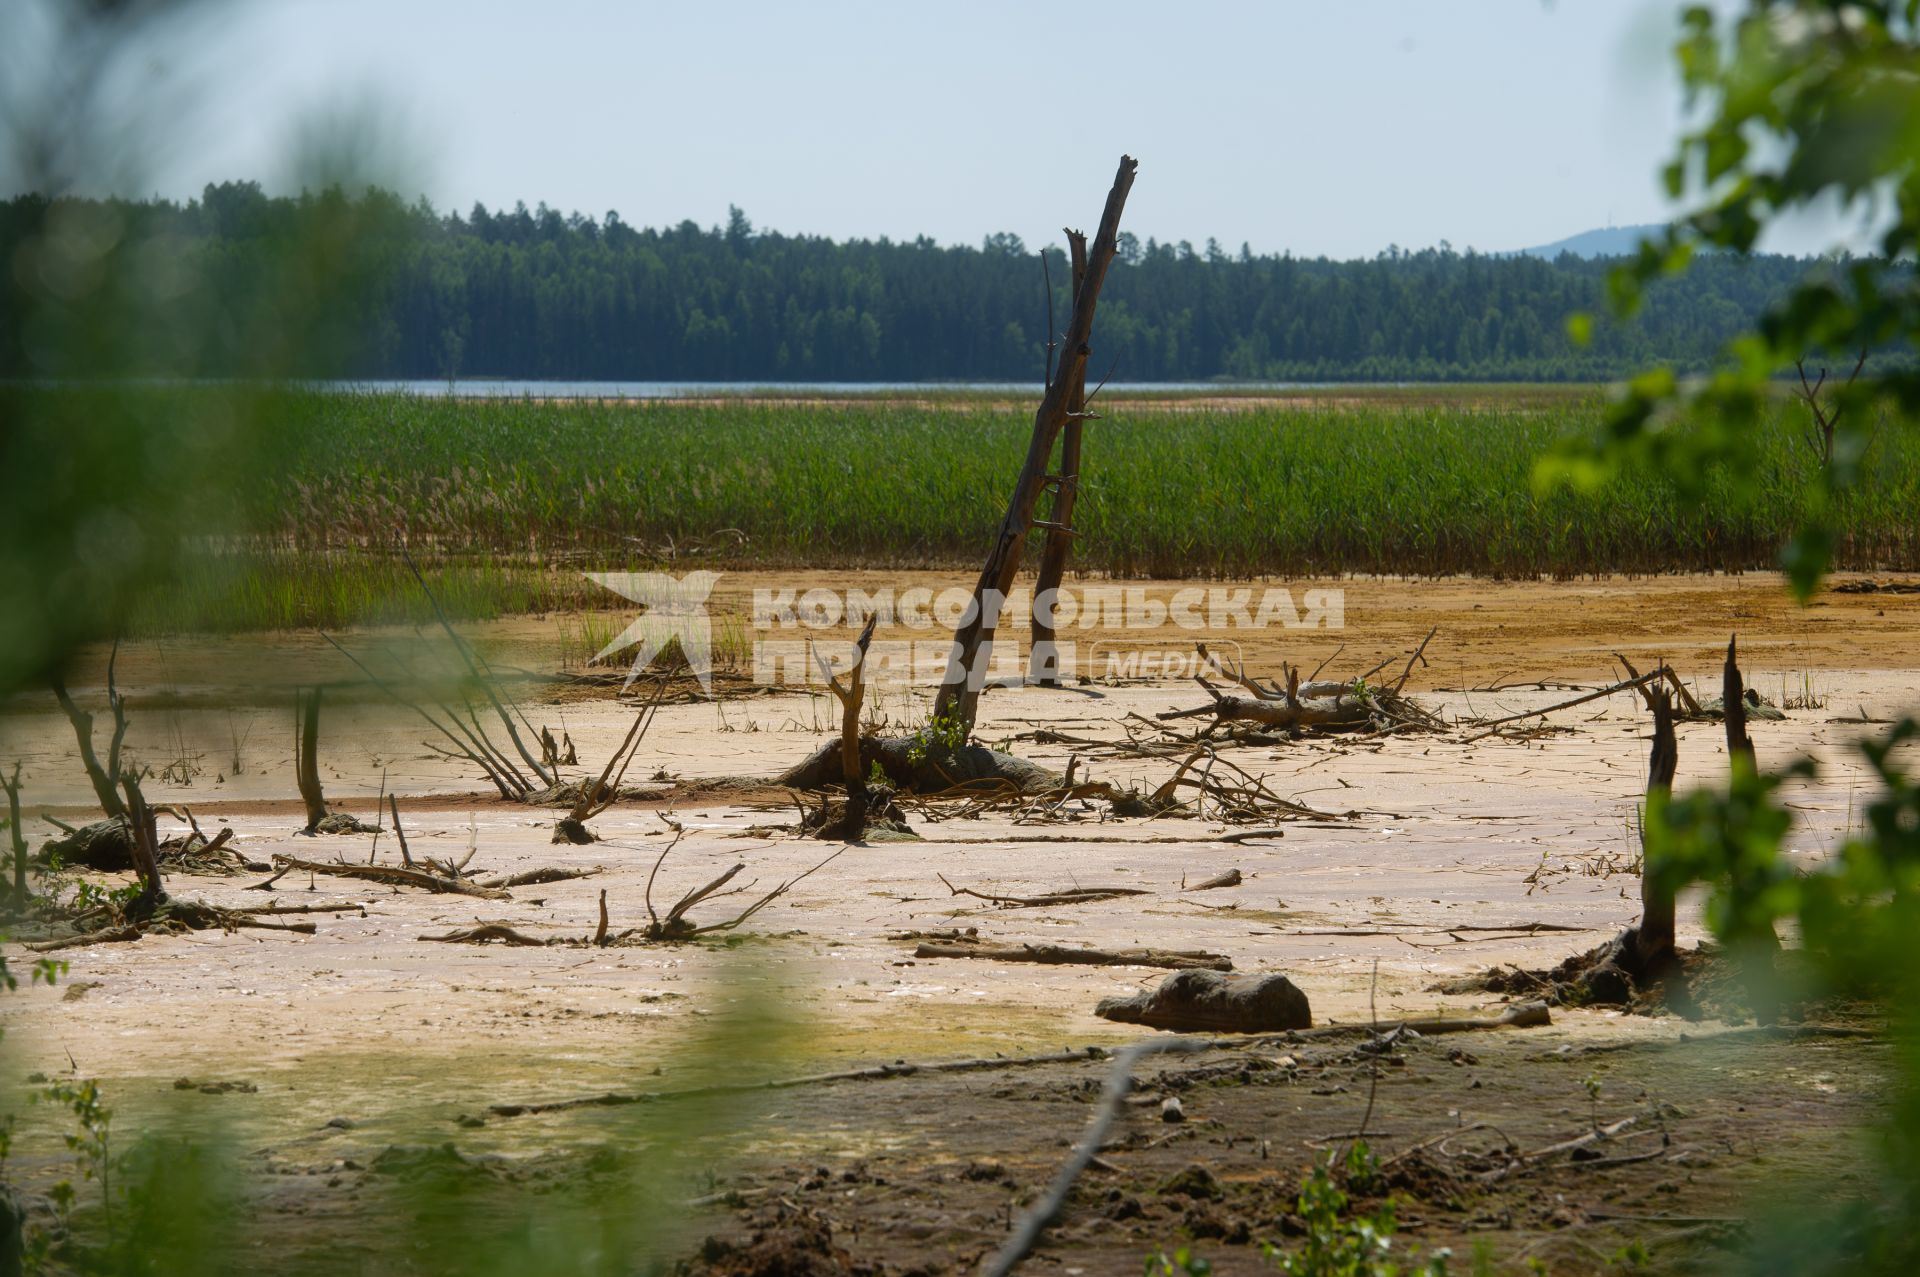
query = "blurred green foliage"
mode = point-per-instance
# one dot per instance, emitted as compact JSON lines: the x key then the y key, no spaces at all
{"x":1804,"y":105}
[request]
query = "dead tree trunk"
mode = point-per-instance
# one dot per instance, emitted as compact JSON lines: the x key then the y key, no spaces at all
{"x":850,"y":698}
{"x":1653,"y":940}
{"x":973,"y":639}
{"x":1756,"y":950}
{"x":146,"y":851}
{"x":1043,"y":663}
{"x":306,"y":757}
{"x":12,"y":787}
{"x":1733,"y":706}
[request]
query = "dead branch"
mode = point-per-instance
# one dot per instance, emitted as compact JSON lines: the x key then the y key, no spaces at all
{"x":1062,"y":955}
{"x":1231,"y":878}
{"x":536,"y":877}
{"x":393,"y":807}
{"x":502,"y":775}
{"x":103,"y":778}
{"x":1525,"y":1160}
{"x":1491,"y":726}
{"x":106,"y":935}
{"x":595,"y":798}
{"x":1077,"y":896}
{"x":388,"y":875}
{"x":474,"y":663}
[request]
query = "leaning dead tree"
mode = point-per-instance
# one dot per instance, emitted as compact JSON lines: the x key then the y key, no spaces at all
{"x":1043,"y":662}
{"x":101,"y":776}
{"x":1061,"y":404}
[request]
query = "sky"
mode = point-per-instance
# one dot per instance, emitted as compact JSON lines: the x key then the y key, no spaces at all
{"x":1319,"y":128}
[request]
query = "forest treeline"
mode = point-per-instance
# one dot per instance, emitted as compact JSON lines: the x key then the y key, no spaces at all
{"x":408,"y":291}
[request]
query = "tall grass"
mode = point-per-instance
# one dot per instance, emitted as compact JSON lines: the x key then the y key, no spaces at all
{"x":496,"y":493}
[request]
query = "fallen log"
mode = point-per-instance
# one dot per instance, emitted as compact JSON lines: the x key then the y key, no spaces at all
{"x":1062,"y":955}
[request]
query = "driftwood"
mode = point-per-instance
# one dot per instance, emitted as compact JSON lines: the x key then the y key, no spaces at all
{"x":1061,"y":955}
{"x":487,"y":933}
{"x":1521,"y":1015}
{"x":1074,"y":896}
{"x":1231,"y":878}
{"x":535,"y":877}
{"x":389,"y":875}
{"x":959,"y":689}
{"x":676,"y":926}
{"x":1491,"y":727}
{"x":1295,"y":705}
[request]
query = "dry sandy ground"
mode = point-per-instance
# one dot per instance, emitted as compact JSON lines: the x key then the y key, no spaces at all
{"x":366,"y":1022}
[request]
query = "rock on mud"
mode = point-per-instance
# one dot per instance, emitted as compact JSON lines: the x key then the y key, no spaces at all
{"x":1214,"y":1002}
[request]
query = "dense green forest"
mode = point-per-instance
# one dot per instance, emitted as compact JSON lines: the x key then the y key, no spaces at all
{"x":539,"y":294}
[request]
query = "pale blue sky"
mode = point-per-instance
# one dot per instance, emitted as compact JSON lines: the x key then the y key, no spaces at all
{"x":1319,"y":127}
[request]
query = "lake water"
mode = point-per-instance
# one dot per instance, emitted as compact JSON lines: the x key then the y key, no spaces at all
{"x":486,"y":388}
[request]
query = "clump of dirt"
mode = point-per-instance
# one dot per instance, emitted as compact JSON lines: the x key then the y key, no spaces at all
{"x":793,"y":1244}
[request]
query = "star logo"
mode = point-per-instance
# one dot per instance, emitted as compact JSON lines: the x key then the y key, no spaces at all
{"x":676,"y":610}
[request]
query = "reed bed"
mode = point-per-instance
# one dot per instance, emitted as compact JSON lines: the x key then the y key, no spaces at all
{"x":497,"y":494}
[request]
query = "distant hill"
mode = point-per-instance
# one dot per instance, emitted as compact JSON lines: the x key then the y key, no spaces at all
{"x":1613,"y":241}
